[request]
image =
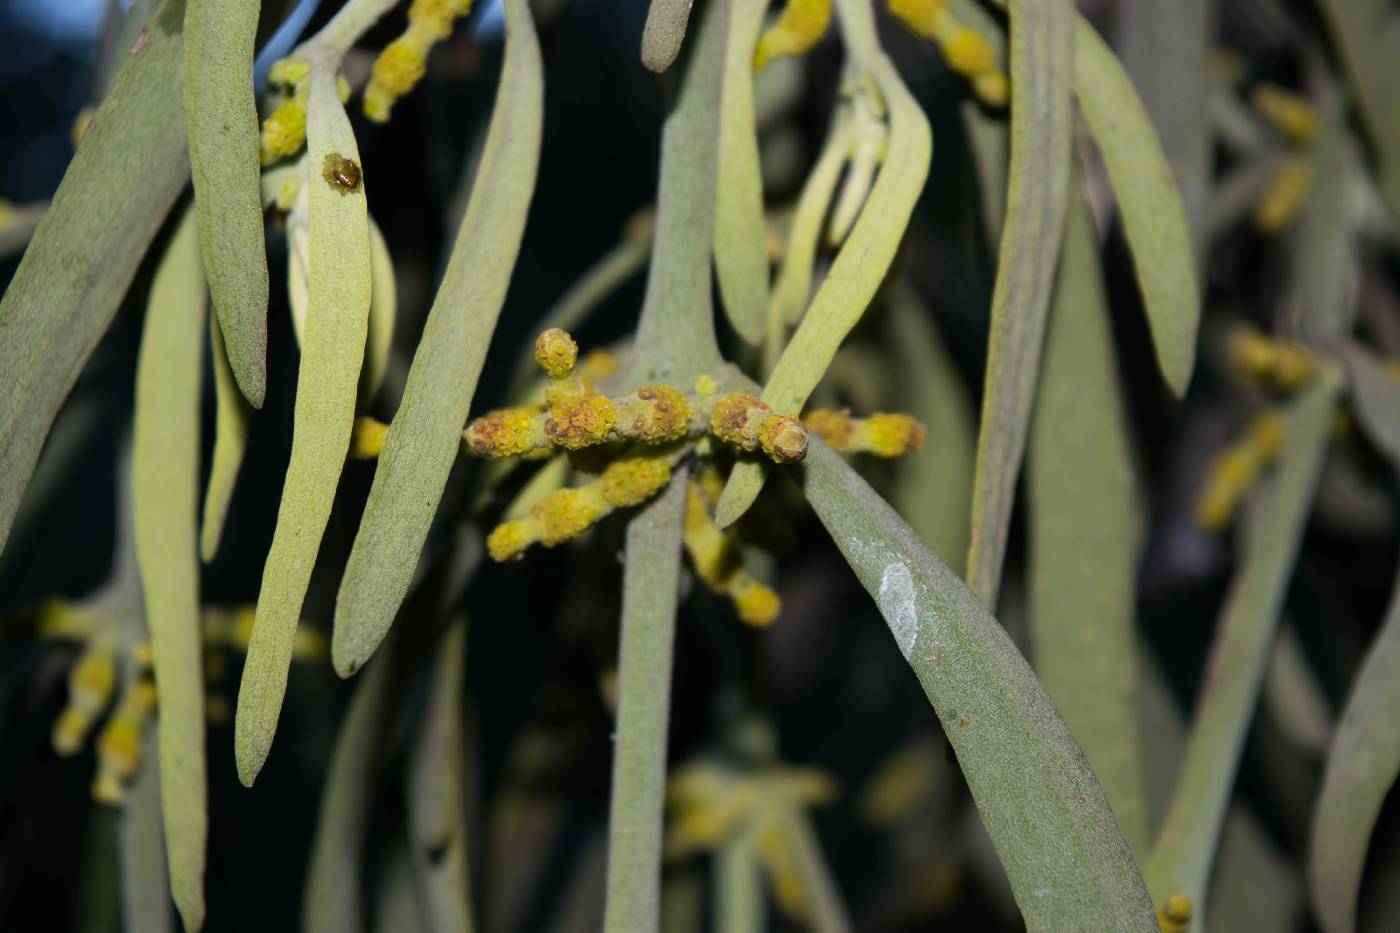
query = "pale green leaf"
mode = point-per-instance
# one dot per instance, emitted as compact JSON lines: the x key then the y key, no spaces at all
{"x":826,"y":912}
{"x":1084,"y":535}
{"x":1324,"y":258}
{"x":338,"y":299}
{"x":1041,"y":64}
{"x":221,"y":119}
{"x":231,"y":414}
{"x":663,"y":32}
{"x":739,"y":903}
{"x":140,"y":849}
{"x":1153,"y":217}
{"x":741,"y":239}
{"x":650,"y":588}
{"x":859,"y":267}
{"x":165,"y":494}
{"x":1375,"y":396}
{"x":1047,"y":816}
{"x":133,"y":164}
{"x":424,"y":436}
{"x":1185,"y":849}
{"x":1361,"y":770}
{"x":383,"y":313}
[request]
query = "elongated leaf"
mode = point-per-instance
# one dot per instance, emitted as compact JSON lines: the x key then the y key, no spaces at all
{"x":1153,"y":217}
{"x":1361,"y":769}
{"x":425,"y":433}
{"x":1084,"y":535}
{"x":1049,"y":821}
{"x":1324,"y":261}
{"x":436,"y":788}
{"x":231,"y":414}
{"x":1041,"y":63}
{"x":383,"y":314}
{"x":1185,"y":849}
{"x":140,"y":845}
{"x":739,"y":906}
{"x":857,"y":271}
{"x":132,"y":162}
{"x":165,"y":493}
{"x":1375,"y":395}
{"x":826,"y":912}
{"x":650,"y":588}
{"x":663,"y":32}
{"x":933,"y":488}
{"x":222,"y":122}
{"x":333,"y":350}
{"x":741,"y":239}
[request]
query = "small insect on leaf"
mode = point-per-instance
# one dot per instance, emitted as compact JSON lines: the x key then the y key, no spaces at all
{"x":341,"y":173}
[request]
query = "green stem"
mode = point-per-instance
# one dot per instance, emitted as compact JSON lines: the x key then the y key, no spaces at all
{"x":739,"y":891}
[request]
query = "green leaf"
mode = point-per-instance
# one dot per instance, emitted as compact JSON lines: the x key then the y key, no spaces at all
{"x":383,"y":314}
{"x":425,"y":434}
{"x":1185,"y":848}
{"x":1375,"y":396}
{"x":140,"y":849}
{"x":859,"y":267}
{"x":436,"y":788}
{"x":1047,"y":816}
{"x":1153,"y":217}
{"x":1084,"y":535}
{"x":650,"y":588}
{"x":333,"y":350}
{"x":1361,"y":769}
{"x":741,"y":238}
{"x":664,"y":31}
{"x":221,"y":119}
{"x":132,"y":163}
{"x":165,"y":494}
{"x":1041,"y":64}
{"x":1324,"y":259}
{"x":826,"y":912}
{"x":739,"y":903}
{"x":933,"y":487}
{"x":231,"y":414}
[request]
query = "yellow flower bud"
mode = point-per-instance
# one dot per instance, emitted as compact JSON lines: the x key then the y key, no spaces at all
{"x":288,"y":72}
{"x":556,"y":352}
{"x":1280,"y":203}
{"x":1174,"y":916}
{"x":632,"y":480}
{"x":284,"y":131}
{"x":580,"y":420}
{"x":509,"y":432}
{"x":801,"y":26}
{"x":367,"y":438}
{"x":966,"y":52}
{"x":1289,"y":113}
{"x":992,"y":88}
{"x":887,"y":434}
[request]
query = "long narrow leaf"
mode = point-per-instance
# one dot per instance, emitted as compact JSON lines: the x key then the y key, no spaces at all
{"x":222,"y":122}
{"x":165,"y":494}
{"x":741,"y":239}
{"x":1084,"y":535}
{"x":424,"y":436}
{"x":133,"y":163}
{"x":231,"y":414}
{"x":1153,"y":217}
{"x":663,"y":32}
{"x":1041,"y":71}
{"x":337,"y":319}
{"x":650,"y":589}
{"x":1185,"y":849}
{"x":1068,"y":863}
{"x":383,"y":314}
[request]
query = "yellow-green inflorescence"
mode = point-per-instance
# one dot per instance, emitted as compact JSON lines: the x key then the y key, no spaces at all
{"x":963,"y":49}
{"x":402,"y":64}
{"x":1296,"y":121}
{"x":284,"y":130}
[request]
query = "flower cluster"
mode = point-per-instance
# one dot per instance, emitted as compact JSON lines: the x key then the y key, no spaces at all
{"x":402,"y":64}
{"x":963,"y":49}
{"x":1295,"y":119}
{"x":284,"y":130}
{"x":1235,"y":470}
{"x":1278,"y":365}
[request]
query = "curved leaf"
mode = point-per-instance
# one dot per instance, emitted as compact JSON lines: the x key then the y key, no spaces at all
{"x":231,"y":415}
{"x":1047,"y":816}
{"x":425,"y":434}
{"x":165,"y":497}
{"x":663,"y":32}
{"x":133,"y":163}
{"x":1041,"y":66}
{"x":222,"y":122}
{"x":383,"y":314}
{"x":1084,"y":535}
{"x":332,"y":355}
{"x":741,"y":238}
{"x":1154,"y":219}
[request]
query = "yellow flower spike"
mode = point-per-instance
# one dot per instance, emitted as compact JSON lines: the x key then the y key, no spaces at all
{"x":1291,"y":114}
{"x":367,"y":438}
{"x":1281,"y":365}
{"x":966,"y":52}
{"x":1231,"y":474}
{"x":1174,"y":916}
{"x":654,"y":414}
{"x":746,"y":422}
{"x":781,"y":863}
{"x":582,"y":420}
{"x":284,"y":131}
{"x":1266,"y":435}
{"x":508,"y":432}
{"x":60,"y":619}
{"x":832,"y":425}
{"x":509,"y":539}
{"x":288,"y":72}
{"x":90,"y":684}
{"x":992,"y":88}
{"x":889,"y":434}
{"x":756,"y":603}
{"x":119,"y":745}
{"x":632,"y":480}
{"x":920,"y":16}
{"x":717,"y":560}
{"x":556,"y":352}
{"x":399,"y":67}
{"x":568,"y":513}
{"x":801,"y":26}
{"x":1284,"y":196}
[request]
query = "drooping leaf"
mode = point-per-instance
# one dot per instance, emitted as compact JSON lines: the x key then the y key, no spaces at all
{"x":1375,"y":396}
{"x":739,"y":899}
{"x":165,"y":493}
{"x":1153,"y":217}
{"x":425,"y":434}
{"x":651,"y":581}
{"x":133,"y":162}
{"x":221,"y":120}
{"x":1324,"y":260}
{"x":741,"y":239}
{"x":663,"y":32}
{"x":383,"y":314}
{"x":231,"y":414}
{"x":1068,"y":863}
{"x":1361,"y":769}
{"x":337,"y":319}
{"x":141,"y":853}
{"x":1041,"y":71}
{"x":1185,"y":849}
